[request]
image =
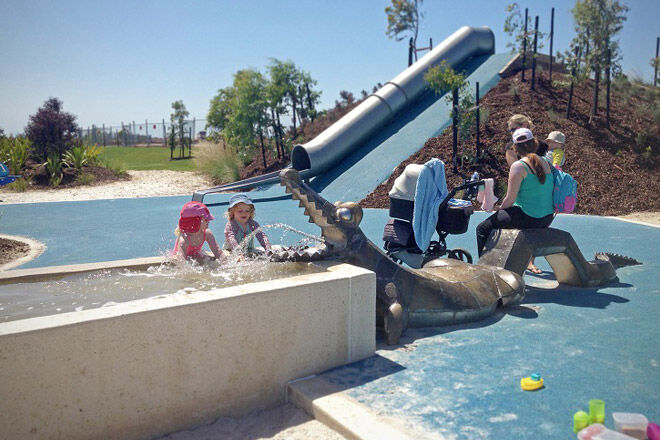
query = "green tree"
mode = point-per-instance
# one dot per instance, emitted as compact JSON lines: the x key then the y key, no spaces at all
{"x":597,"y":22}
{"x":443,"y":79}
{"x":178,"y":120}
{"x":403,"y":17}
{"x":220,"y":110}
{"x":248,"y":118}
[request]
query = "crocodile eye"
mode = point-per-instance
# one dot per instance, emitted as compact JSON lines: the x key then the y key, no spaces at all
{"x":345,"y":214}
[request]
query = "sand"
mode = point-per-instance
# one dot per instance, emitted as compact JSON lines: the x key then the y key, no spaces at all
{"x":141,"y":184}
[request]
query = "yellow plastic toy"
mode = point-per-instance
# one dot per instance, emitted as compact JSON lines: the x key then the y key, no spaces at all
{"x":531,"y":383}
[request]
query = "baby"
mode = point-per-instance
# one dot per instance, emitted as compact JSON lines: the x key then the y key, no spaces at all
{"x":556,"y":141}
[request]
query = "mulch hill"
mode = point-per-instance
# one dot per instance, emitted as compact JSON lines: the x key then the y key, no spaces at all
{"x":11,"y":249}
{"x":615,"y":176}
{"x":307,"y":132}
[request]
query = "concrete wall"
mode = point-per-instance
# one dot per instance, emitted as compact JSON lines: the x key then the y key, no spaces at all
{"x":150,"y":367}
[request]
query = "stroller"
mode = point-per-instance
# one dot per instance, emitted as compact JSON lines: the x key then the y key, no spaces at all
{"x":453,"y":218}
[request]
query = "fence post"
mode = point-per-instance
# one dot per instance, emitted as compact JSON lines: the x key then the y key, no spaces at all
{"x":536,"y":32}
{"x":454,"y":128}
{"x":164,"y":135}
{"x":655,"y":68}
{"x":552,"y":33}
{"x":524,"y":58}
{"x":410,"y":52}
{"x":146,"y":130}
{"x":478,"y":120}
{"x":193,"y":130}
{"x":103,"y":135}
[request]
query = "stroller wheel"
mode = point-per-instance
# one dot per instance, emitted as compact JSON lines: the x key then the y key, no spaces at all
{"x":460,"y":254}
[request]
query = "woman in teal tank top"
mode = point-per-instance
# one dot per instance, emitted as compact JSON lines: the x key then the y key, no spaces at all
{"x":528,"y":200}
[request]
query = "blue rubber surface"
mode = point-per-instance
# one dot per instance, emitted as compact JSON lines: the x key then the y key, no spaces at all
{"x":464,"y":381}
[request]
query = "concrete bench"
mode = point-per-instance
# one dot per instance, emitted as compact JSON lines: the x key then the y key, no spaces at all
{"x":512,"y":249}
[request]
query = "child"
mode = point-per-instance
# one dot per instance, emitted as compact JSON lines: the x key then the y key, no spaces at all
{"x":193,"y":232}
{"x":555,"y":154}
{"x":241,"y":224}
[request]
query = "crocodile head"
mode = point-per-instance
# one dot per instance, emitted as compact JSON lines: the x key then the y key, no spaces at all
{"x":339,"y":222}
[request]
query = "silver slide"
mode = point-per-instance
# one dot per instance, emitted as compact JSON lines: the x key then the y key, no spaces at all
{"x":347,"y":134}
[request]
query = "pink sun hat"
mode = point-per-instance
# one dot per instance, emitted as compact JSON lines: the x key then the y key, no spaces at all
{"x":191,"y":217}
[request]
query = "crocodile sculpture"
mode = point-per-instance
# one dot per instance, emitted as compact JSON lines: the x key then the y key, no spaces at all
{"x":443,"y":292}
{"x":513,"y":248}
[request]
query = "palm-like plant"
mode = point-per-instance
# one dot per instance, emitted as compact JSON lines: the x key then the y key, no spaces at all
{"x":75,"y":157}
{"x":54,"y":168}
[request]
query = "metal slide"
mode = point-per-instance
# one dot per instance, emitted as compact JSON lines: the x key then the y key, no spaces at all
{"x":341,"y":138}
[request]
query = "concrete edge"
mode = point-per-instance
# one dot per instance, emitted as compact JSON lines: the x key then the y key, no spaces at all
{"x":36,"y":248}
{"x":327,"y":403}
{"x":637,"y":222}
{"x":47,"y":272}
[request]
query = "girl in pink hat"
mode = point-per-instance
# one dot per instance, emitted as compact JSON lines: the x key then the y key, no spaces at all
{"x":193,"y":232}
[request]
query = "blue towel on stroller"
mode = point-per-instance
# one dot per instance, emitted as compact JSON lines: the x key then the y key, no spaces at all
{"x":430,"y":191}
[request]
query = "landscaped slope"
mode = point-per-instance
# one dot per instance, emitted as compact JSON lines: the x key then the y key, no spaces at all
{"x":617,"y":169}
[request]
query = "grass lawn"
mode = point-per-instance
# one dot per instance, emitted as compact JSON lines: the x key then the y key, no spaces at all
{"x":146,"y":158}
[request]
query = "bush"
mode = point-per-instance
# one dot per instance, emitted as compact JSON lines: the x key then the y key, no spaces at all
{"x":76,"y":157}
{"x":14,"y":151}
{"x":54,"y":168}
{"x":85,"y":178}
{"x":219,"y":161}
{"x":51,"y":130}
{"x":118,"y":169}
{"x":18,"y":185}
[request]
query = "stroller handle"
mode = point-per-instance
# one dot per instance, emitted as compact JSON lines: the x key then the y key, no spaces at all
{"x":467,"y":185}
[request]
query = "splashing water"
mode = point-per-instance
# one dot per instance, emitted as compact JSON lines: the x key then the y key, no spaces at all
{"x":106,"y":288}
{"x":306,"y":241}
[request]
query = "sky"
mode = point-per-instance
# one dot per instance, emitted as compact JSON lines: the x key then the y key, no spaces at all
{"x":121,"y":61}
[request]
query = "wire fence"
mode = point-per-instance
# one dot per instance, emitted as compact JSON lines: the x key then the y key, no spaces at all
{"x":147,"y":133}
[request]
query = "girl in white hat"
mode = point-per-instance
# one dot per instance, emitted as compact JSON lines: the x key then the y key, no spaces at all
{"x":241,"y":225}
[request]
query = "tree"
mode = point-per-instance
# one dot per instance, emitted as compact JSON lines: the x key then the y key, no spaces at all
{"x":178,"y":120}
{"x":248,"y":117}
{"x":442,"y":79}
{"x":596,"y":23}
{"x":51,"y":130}
{"x":403,"y":18}
{"x":515,"y":26}
{"x":220,"y":110}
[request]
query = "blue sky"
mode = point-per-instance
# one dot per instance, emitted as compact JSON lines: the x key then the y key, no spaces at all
{"x":121,"y":61}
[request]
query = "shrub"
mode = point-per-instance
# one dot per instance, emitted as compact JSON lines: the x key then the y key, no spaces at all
{"x":14,"y":151}
{"x":513,"y":91}
{"x":85,"y":178}
{"x":76,"y":157}
{"x":219,"y":161}
{"x":553,"y":115}
{"x":117,"y":169}
{"x":51,"y":130}
{"x":18,"y":185}
{"x":93,"y":152}
{"x":54,"y":168}
{"x":642,"y":139}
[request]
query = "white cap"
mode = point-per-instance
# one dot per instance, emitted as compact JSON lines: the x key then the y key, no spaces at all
{"x":522,"y":135}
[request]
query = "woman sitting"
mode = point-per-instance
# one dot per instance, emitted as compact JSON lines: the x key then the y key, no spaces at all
{"x":528,"y":200}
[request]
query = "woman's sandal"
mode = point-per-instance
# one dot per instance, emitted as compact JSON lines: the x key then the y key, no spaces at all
{"x":533,"y":269}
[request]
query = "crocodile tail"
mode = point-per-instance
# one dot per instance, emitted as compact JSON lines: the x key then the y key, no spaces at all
{"x":616,"y":259}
